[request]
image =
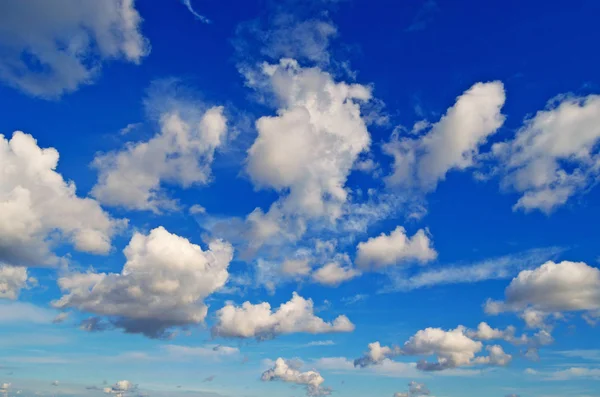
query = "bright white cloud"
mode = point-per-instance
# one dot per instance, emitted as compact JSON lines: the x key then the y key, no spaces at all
{"x":49,"y":49}
{"x":259,"y":321}
{"x":554,"y":155}
{"x":552,"y":287}
{"x":307,"y":151}
{"x":283,"y":371}
{"x":37,"y":205}
{"x":452,"y":143}
{"x":387,"y":250}
{"x":333,"y":274}
{"x":377,"y":354}
{"x":12,"y":280}
{"x":162,"y":285}
{"x":181,"y":153}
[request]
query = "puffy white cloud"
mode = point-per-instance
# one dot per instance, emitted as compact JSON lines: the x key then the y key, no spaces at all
{"x":52,"y":48}
{"x":377,"y":354}
{"x":334,"y":274}
{"x":414,"y":390}
{"x":37,"y":205}
{"x":453,"y":349}
{"x":162,"y":285}
{"x":554,"y":155}
{"x":285,"y":372}
{"x":259,"y":321}
{"x":12,"y":280}
{"x":180,"y":153}
{"x":120,"y":388}
{"x":552,"y":287}
{"x":452,"y":143}
{"x":387,"y":250}
{"x":308,"y":149}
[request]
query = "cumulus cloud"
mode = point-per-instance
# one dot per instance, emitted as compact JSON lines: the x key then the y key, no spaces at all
{"x":452,"y":348}
{"x":259,"y":321}
{"x":554,"y":155}
{"x":552,"y":287}
{"x":37,"y":205}
{"x":307,"y":151}
{"x":414,"y":390}
{"x":387,"y":250}
{"x":163,"y":284}
{"x":450,"y":144}
{"x":12,"y":280}
{"x":52,"y":49}
{"x":333,"y":274}
{"x":283,"y":371}
{"x":181,"y":153}
{"x":120,"y":389}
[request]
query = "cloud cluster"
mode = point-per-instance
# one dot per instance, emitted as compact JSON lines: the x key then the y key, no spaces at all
{"x":283,"y":371}
{"x":181,"y":153}
{"x":387,"y":250}
{"x":453,"y":349}
{"x":38,"y":207}
{"x":120,"y":389}
{"x":52,"y":48}
{"x":554,"y":155}
{"x":259,"y":321}
{"x":452,"y":143}
{"x":162,"y":285}
{"x":414,"y":390}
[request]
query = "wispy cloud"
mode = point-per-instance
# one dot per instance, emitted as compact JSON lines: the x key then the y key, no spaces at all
{"x":201,"y":18}
{"x":424,"y":16}
{"x":498,"y":268}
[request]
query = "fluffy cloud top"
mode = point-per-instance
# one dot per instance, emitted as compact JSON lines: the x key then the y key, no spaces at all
{"x":387,"y":250}
{"x":259,"y":321}
{"x":181,"y":153}
{"x":333,"y":274}
{"x":377,"y":354}
{"x":66,"y":41}
{"x":283,"y":371}
{"x":37,"y":203}
{"x":452,"y":143}
{"x":162,"y":285}
{"x":12,"y":280}
{"x":555,"y":155}
{"x":308,"y":149}
{"x":552,"y":287}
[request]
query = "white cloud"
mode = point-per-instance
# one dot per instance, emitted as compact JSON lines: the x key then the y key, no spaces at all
{"x":575,"y":373}
{"x":554,"y":155}
{"x":307,"y":151}
{"x":296,"y":267}
{"x":452,"y":143}
{"x":452,"y":348}
{"x":181,"y":153}
{"x":21,"y":312}
{"x":67,"y":41}
{"x":201,"y":18}
{"x":120,"y":388}
{"x":162,"y":285}
{"x":552,"y":287}
{"x":333,"y":274}
{"x":259,"y":321}
{"x":501,"y":267}
{"x":37,"y":205}
{"x":202,"y":352}
{"x":397,"y":247}
{"x":312,"y":380}
{"x":12,"y":280}
{"x":414,"y":390}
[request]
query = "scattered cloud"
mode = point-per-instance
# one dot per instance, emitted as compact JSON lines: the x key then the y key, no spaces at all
{"x":311,"y":380}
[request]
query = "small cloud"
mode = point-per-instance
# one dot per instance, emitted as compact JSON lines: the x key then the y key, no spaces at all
{"x":201,"y":18}
{"x":128,"y":128}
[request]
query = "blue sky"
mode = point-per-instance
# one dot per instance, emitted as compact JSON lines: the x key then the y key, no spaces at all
{"x":289,"y":198}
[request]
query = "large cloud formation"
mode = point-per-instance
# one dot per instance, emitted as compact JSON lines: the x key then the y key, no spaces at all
{"x":452,"y":143}
{"x":180,"y":153}
{"x":554,"y":155}
{"x":162,"y":285}
{"x":37,"y":205}
{"x":259,"y":321}
{"x":51,"y":48}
